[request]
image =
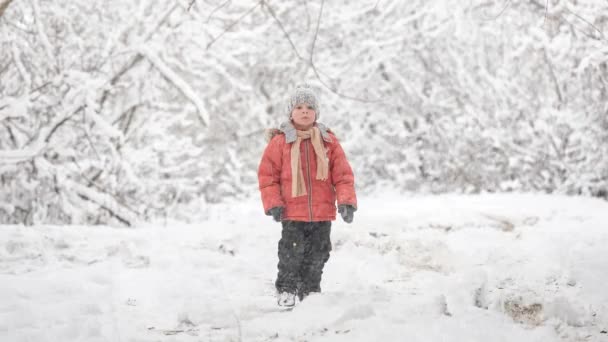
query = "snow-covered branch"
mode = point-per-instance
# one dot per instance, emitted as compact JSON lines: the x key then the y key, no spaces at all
{"x":466,"y":104}
{"x":104,"y":201}
{"x":44,"y":39}
{"x":17,"y":156}
{"x":178,"y":82}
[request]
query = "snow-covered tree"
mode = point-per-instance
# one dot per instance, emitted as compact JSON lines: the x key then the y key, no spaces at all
{"x":121,"y":111}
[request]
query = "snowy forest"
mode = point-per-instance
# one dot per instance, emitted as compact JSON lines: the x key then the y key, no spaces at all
{"x":117,"y":112}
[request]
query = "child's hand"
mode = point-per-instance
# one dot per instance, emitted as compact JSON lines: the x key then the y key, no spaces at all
{"x":347,"y":211}
{"x":277,"y":213}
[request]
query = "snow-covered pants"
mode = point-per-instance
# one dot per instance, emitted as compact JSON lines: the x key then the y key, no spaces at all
{"x":303,"y":250}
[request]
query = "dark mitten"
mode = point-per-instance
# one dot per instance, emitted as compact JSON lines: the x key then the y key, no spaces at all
{"x":276,"y":212}
{"x":347,"y":211}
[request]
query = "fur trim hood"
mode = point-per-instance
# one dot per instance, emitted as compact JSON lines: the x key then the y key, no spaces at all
{"x":290,"y":132}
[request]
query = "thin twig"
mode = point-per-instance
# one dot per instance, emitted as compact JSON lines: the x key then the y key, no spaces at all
{"x":93,"y":184}
{"x":3,"y":69}
{"x":41,"y":86}
{"x":595,"y":28}
{"x":138,"y":58}
{"x":11,"y":134}
{"x":500,"y":13}
{"x":307,"y":15}
{"x":86,"y":134}
{"x":217,"y":9}
{"x":190,"y":5}
{"x":123,"y":220}
{"x":376,"y":5}
{"x":60,"y":123}
{"x":314,"y":68}
{"x":602,"y":37}
{"x":274,"y":16}
{"x":310,"y":60}
{"x":234,"y":23}
{"x":546,"y":12}
{"x":554,"y":78}
{"x":314,"y":41}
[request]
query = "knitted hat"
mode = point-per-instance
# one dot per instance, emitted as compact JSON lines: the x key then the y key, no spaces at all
{"x":303,"y":93}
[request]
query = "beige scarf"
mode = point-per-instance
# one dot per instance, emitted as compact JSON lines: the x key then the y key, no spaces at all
{"x":297,"y":176}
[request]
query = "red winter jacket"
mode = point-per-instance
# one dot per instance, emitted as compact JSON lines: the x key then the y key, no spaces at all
{"x":319,"y":204}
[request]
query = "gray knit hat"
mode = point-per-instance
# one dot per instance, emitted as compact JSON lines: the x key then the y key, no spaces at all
{"x":303,"y":93}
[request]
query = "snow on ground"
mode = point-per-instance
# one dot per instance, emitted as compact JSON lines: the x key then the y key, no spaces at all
{"x":434,"y":268}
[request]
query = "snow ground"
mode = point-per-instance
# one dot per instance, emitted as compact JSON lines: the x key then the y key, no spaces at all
{"x":434,"y":268}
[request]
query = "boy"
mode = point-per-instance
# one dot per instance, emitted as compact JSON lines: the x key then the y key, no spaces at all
{"x":302,"y":173}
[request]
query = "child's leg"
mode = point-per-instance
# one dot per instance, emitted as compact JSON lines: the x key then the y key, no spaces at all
{"x":317,"y":254}
{"x":291,"y":254}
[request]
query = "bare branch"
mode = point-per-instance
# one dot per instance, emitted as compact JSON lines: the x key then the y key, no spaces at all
{"x":112,"y":213}
{"x":103,"y":190}
{"x":217,"y":9}
{"x":595,"y":28}
{"x":61,"y":123}
{"x":138,"y":58}
{"x":553,"y":77}
{"x":307,"y":15}
{"x":314,"y":68}
{"x":507,"y":5}
{"x":376,"y":5}
{"x":3,"y":68}
{"x":234,"y":23}
{"x":86,"y":134}
{"x":310,"y":60}
{"x":546,"y":12}
{"x":314,"y":41}
{"x":11,"y":134}
{"x":276,"y":19}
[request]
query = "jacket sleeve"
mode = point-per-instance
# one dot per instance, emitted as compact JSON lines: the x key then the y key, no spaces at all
{"x":269,"y":175}
{"x":342,"y":176}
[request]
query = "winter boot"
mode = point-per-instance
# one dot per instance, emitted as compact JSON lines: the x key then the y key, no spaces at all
{"x":286,"y":299}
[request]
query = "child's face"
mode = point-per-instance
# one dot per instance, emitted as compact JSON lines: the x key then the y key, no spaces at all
{"x":303,"y":116}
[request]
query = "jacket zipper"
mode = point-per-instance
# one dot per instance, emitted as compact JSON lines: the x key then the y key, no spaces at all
{"x":309,"y":182}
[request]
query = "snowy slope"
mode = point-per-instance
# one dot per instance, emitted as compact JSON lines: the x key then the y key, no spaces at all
{"x":436,"y":268}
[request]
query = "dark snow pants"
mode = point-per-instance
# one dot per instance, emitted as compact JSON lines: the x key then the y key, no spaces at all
{"x":303,"y":250}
